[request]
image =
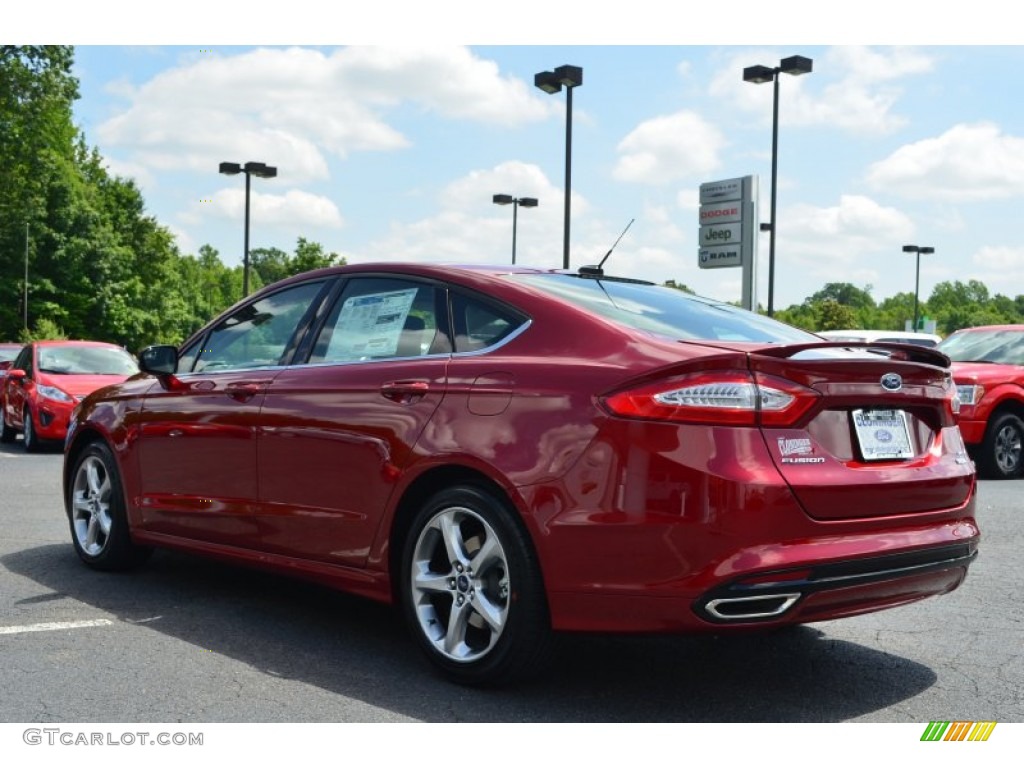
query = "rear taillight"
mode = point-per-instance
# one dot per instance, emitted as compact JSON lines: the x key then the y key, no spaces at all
{"x":717,"y":397}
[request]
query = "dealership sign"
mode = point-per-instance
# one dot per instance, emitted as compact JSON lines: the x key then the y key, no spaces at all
{"x":728,"y":229}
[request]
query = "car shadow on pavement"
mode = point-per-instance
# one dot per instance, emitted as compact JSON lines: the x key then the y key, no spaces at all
{"x":359,"y":649}
{"x":17,"y":448}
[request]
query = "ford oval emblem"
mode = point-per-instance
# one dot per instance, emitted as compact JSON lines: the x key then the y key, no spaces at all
{"x":892,"y":382}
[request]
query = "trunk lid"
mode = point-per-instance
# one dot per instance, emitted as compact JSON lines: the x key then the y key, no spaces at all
{"x":882,"y":439}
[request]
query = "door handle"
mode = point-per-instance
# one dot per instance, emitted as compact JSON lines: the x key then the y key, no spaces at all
{"x":242,"y":392}
{"x":405,"y":391}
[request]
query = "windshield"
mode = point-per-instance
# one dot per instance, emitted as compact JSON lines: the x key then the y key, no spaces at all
{"x":666,"y":311}
{"x":75,"y":360}
{"x":990,"y":346}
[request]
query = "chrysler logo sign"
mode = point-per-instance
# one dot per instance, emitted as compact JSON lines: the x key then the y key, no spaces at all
{"x":892,"y":382}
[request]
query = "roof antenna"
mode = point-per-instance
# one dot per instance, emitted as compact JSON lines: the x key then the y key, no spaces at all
{"x":596,"y":271}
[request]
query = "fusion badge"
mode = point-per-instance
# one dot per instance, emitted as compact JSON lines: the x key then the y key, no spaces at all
{"x":798,"y":450}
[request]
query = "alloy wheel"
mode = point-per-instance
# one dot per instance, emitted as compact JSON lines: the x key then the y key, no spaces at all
{"x":90,"y":506}
{"x":1008,"y":449}
{"x":459,"y":584}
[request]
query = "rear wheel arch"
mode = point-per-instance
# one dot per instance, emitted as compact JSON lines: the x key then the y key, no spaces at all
{"x":468,"y":581}
{"x":426,"y":486}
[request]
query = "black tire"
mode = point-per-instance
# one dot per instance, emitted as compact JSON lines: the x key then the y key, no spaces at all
{"x":7,"y":432}
{"x":31,"y":439}
{"x":96,"y":512}
{"x":1002,"y":451}
{"x":490,"y":600}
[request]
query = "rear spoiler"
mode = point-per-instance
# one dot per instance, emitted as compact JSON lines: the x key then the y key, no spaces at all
{"x":914,"y":353}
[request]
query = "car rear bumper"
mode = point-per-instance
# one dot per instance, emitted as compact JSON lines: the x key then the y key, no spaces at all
{"x":838,"y":588}
{"x":786,"y":583}
{"x":648,"y":541}
{"x":799,"y":601}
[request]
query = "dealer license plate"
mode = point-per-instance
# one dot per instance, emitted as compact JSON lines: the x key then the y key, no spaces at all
{"x":883,"y":434}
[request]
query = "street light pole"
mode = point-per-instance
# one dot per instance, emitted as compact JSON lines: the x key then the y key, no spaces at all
{"x":526,"y":202}
{"x":263,"y":171}
{"x":926,"y":249}
{"x":792,"y":65}
{"x":552,"y":82}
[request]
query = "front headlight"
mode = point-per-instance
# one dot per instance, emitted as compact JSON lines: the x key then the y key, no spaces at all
{"x":52,"y":393}
{"x":969,"y":394}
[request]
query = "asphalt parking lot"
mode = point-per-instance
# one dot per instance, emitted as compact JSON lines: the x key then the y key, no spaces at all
{"x":188,"y":640}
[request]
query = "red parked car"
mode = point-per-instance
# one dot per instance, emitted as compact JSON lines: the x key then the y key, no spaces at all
{"x":8,"y":351}
{"x":988,"y":367}
{"x":48,"y":378}
{"x":507,"y":452}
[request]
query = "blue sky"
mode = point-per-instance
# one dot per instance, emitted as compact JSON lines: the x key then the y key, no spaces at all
{"x":391,"y":149}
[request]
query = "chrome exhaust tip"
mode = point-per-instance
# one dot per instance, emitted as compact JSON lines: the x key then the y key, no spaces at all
{"x":757,"y":607}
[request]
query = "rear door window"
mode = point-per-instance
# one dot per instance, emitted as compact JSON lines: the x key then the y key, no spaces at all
{"x":379,"y":318}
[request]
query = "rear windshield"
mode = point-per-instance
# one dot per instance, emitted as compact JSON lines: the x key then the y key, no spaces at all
{"x":665,"y":311}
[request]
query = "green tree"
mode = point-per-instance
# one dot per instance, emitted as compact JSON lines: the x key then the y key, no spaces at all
{"x":44,"y":330}
{"x":273,"y":264}
{"x":270,"y":264}
{"x":846,"y":294}
{"x":896,"y":311}
{"x":830,"y":315}
{"x":37,"y":137}
{"x":955,"y":304}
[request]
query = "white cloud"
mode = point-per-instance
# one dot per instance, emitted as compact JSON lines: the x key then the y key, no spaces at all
{"x":689,"y":200}
{"x":860,"y":100}
{"x":854,"y":241}
{"x":966,"y":163}
{"x":295,"y":106}
{"x":515,"y":178}
{"x":469,"y":228}
{"x":671,"y":147}
{"x":856,"y":219}
{"x":294,"y":210}
{"x":1000,"y":258}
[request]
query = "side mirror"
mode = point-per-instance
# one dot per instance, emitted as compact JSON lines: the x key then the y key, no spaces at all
{"x":159,"y":359}
{"x":16,"y":374}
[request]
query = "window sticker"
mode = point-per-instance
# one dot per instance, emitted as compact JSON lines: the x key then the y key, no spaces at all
{"x":370,"y":325}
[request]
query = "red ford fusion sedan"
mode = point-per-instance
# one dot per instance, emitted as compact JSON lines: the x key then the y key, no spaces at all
{"x":48,"y":378}
{"x":505,"y":453}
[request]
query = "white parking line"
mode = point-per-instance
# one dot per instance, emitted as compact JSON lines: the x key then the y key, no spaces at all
{"x":50,"y":626}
